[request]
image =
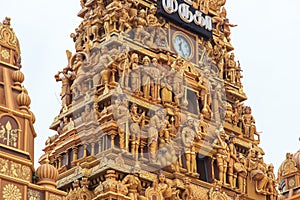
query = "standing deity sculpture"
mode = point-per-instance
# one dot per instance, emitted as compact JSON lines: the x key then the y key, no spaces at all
{"x":205,"y":93}
{"x":137,"y":122}
{"x":222,"y":154}
{"x":146,"y":77}
{"x":248,"y":121}
{"x":123,"y":68}
{"x":233,"y":160}
{"x":66,"y":77}
{"x":189,"y":136}
{"x":122,"y":115}
{"x":155,"y":124}
{"x":179,"y":89}
{"x":135,"y":74}
{"x":230,"y":68}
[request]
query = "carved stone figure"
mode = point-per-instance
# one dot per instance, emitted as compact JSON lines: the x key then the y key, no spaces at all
{"x":155,"y":124}
{"x":161,"y":186}
{"x":133,"y":183}
{"x":189,"y":136}
{"x":141,"y":35}
{"x":232,"y":172}
{"x":222,"y":154}
{"x":135,"y":129}
{"x":241,"y":170}
{"x":230,"y":68}
{"x":146,"y":77}
{"x":66,"y":77}
{"x":122,"y":115}
{"x":271,"y":185}
{"x":123,"y":67}
{"x":248,"y":121}
{"x":135,"y":74}
{"x":179,"y":89}
{"x":205,"y":92}
{"x":124,"y":21}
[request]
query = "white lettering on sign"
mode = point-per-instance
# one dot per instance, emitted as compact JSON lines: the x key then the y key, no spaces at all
{"x":183,"y":9}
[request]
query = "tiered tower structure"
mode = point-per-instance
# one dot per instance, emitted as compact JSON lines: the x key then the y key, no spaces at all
{"x":289,"y":177}
{"x":152,"y":107}
{"x":18,"y":178}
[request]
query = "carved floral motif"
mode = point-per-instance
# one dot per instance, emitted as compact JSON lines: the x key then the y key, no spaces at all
{"x":11,"y":192}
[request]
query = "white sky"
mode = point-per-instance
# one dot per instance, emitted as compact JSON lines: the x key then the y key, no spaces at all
{"x":265,"y":41}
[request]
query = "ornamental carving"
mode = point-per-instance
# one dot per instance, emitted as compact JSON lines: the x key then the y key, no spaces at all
{"x":54,"y":197}
{"x":14,"y":169}
{"x":33,"y":195}
{"x":7,"y":35}
{"x":9,"y":133}
{"x":11,"y":192}
{"x":216,"y":194}
{"x":5,"y":54}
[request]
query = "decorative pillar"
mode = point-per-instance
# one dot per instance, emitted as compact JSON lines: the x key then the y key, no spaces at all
{"x":92,"y":148}
{"x":75,"y":153}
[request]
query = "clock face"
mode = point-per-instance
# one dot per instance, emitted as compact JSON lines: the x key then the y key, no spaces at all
{"x":182,"y":46}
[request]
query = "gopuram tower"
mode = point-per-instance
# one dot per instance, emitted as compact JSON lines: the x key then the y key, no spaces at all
{"x":152,"y":107}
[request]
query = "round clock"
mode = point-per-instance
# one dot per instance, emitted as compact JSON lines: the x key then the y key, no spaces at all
{"x":183,"y":45}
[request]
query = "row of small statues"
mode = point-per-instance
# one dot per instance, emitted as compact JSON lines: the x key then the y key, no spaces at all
{"x":233,"y":167}
{"x":130,"y":185}
{"x":150,"y":78}
{"x":127,"y":17}
{"x":241,"y":116}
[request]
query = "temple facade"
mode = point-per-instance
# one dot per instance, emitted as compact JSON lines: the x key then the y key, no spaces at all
{"x":152,"y":109}
{"x":18,"y":178}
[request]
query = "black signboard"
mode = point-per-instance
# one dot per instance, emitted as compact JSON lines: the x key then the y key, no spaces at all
{"x":179,"y":7}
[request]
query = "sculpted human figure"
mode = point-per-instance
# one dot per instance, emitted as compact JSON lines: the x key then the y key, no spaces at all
{"x":161,"y":186}
{"x":102,"y":69}
{"x":232,"y":172}
{"x":157,"y":75}
{"x":94,"y":18}
{"x":189,"y":136}
{"x":135,"y":74}
{"x":123,"y":68}
{"x":141,"y":34}
{"x":124,"y":21}
{"x":241,"y":169}
{"x":205,"y":92}
{"x":155,"y":124}
{"x":222,"y":154}
{"x":137,"y":122}
{"x":248,"y":123}
{"x":88,"y":115}
{"x":114,"y":9}
{"x":133,"y":183}
{"x":66,"y":77}
{"x":218,"y":106}
{"x":122,"y":115}
{"x":178,"y":82}
{"x":146,"y":77}
{"x":78,"y":39}
{"x":230,"y":68}
{"x":79,"y":68}
{"x":271,"y":185}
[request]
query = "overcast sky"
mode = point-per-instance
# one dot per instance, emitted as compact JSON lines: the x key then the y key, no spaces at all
{"x":266,"y":42}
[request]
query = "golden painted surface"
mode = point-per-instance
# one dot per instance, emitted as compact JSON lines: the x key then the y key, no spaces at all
{"x":13,"y":169}
{"x":33,"y":195}
{"x":11,"y":192}
{"x":5,"y":54}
